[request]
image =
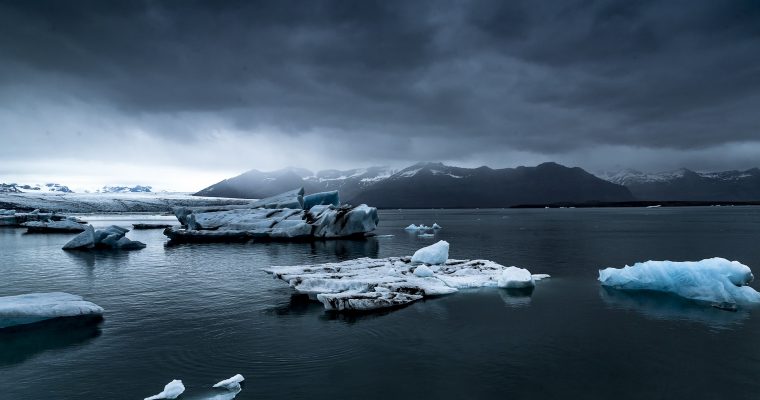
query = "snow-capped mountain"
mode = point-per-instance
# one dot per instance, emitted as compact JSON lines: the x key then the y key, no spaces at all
{"x":125,"y":189}
{"x":432,"y":185}
{"x":48,"y":187}
{"x":258,"y":184}
{"x":685,"y":184}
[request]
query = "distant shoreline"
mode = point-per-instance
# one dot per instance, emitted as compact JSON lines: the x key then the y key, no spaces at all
{"x":642,"y":204}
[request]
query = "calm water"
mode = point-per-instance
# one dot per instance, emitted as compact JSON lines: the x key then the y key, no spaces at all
{"x":202,"y":313}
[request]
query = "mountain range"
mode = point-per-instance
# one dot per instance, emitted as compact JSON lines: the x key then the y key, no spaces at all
{"x":432,"y":185}
{"x":685,"y":184}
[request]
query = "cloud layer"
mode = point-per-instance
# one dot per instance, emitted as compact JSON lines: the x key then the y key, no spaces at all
{"x":222,"y":87}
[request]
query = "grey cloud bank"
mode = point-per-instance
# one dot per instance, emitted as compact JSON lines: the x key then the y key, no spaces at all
{"x":181,"y":94}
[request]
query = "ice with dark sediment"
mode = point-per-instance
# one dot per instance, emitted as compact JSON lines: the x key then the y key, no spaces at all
{"x":35,"y":307}
{"x":281,"y":217}
{"x":112,"y":237}
{"x":369,"y":284}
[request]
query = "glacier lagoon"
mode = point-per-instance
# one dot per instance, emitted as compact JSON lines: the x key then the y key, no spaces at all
{"x":198,"y":312}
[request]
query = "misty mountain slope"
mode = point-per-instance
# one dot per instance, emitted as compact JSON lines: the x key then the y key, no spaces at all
{"x":685,"y":184}
{"x":435,"y":185}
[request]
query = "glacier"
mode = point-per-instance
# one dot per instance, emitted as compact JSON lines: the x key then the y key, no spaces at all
{"x":281,"y":217}
{"x":172,"y":390}
{"x":112,"y":237}
{"x":367,"y":284}
{"x":35,"y":307}
{"x":717,"y":281}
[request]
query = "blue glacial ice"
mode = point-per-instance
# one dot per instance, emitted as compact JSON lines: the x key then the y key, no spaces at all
{"x":714,"y":280}
{"x":35,"y":307}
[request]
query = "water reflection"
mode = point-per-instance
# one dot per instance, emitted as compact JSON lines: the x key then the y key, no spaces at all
{"x":516,"y":298}
{"x":669,"y":307}
{"x":17,"y":344}
{"x":89,"y":259}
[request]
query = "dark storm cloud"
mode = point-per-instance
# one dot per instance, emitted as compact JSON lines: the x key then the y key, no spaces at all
{"x":469,"y":77}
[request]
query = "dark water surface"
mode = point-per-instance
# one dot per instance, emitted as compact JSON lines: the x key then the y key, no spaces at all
{"x":202,"y":313}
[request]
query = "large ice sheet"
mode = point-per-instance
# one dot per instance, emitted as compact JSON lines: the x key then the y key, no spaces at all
{"x":320,"y":222}
{"x":714,"y":280}
{"x":369,"y":284}
{"x":30,"y":308}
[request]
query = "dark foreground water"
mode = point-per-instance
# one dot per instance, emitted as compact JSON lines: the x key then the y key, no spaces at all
{"x":202,"y":313}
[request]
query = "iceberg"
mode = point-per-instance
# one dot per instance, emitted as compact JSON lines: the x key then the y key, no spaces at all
{"x":35,"y":307}
{"x":172,"y":390}
{"x":436,"y":253}
{"x":232,"y":384}
{"x":271,"y":220}
{"x":67,"y":225}
{"x":366,"y":284}
{"x":112,"y":237}
{"x":718,"y":281}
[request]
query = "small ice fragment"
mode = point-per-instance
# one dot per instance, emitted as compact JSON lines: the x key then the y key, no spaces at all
{"x":172,"y":390}
{"x":231,"y":383}
{"x":436,"y":253}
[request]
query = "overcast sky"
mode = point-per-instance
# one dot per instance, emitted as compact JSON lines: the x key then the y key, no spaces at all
{"x":180,"y":94}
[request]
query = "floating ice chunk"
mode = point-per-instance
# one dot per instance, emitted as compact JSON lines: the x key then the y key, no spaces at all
{"x":423,"y":271}
{"x":426,"y":235}
{"x":35,"y":307}
{"x":84,"y":240}
{"x":436,"y":226}
{"x":172,"y":390}
{"x":714,"y":280}
{"x":538,"y":277}
{"x":319,"y":199}
{"x":111,"y":237}
{"x":65,"y":225}
{"x":370,"y":284}
{"x":232,"y":384}
{"x":436,"y":253}
{"x":516,"y":278}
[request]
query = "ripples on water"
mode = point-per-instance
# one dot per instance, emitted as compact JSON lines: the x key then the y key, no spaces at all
{"x":202,"y":313}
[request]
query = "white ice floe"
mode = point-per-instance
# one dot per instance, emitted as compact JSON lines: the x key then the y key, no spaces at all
{"x":112,"y":237}
{"x":270,"y":220}
{"x":30,"y":308}
{"x":715,"y":280}
{"x":172,"y":390}
{"x":369,"y":284}
{"x":422,"y":227}
{"x":436,"y":253}
{"x":232,"y":384}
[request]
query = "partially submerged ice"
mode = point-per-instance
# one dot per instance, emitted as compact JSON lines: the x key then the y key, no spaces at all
{"x":69,"y":224}
{"x":282,"y":217}
{"x":172,"y":390}
{"x":35,"y":307}
{"x":718,"y":281}
{"x":231,"y":384}
{"x":13,"y":218}
{"x":112,"y":237}
{"x":370,"y":284}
